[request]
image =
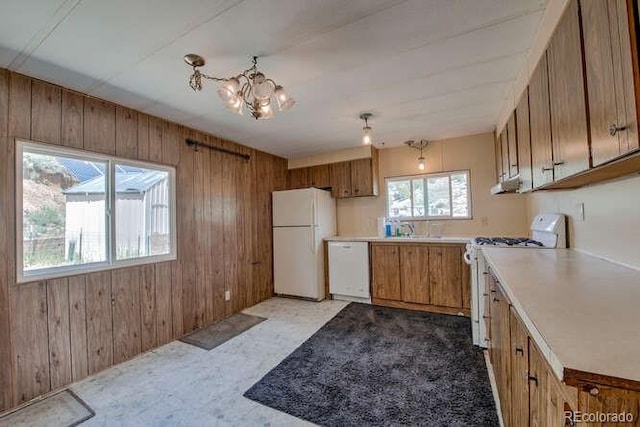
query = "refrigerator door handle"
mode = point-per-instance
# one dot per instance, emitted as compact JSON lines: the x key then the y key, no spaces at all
{"x":313,"y":213}
{"x":313,"y":239}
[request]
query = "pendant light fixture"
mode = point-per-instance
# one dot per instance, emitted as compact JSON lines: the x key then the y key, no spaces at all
{"x":367,"y":136}
{"x":250,"y":89}
{"x":419,"y":145}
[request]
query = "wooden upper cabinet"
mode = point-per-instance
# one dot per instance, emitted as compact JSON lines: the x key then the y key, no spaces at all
{"x":445,"y":276}
{"x":567,"y":97}
{"x":512,"y":143}
{"x":498,"y":149}
{"x":362,"y":182}
{"x":540,"y":125}
{"x":298,"y":178}
{"x":319,"y":176}
{"x":385,"y":261}
{"x":414,"y":273}
{"x":504,"y":144}
{"x":340,"y":175}
{"x":524,"y":142}
{"x":609,"y":74}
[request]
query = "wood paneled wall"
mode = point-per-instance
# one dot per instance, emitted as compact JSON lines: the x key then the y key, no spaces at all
{"x":58,"y":331}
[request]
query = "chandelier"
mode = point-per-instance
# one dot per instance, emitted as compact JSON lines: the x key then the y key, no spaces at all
{"x":419,"y":145}
{"x":250,"y":89}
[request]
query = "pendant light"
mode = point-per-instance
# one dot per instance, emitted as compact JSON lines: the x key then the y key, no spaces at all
{"x":419,"y":145}
{"x":367,"y":136}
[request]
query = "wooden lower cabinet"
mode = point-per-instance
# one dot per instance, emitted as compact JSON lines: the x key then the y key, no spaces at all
{"x":414,"y":273}
{"x":530,"y":392}
{"x":420,"y":276}
{"x":386,"y":272}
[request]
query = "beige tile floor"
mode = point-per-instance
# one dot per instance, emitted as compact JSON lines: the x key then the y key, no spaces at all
{"x":182,"y":385}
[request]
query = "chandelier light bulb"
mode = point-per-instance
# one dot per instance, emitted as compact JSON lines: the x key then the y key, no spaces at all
{"x":284,"y":101}
{"x":236,"y":104}
{"x":228,"y":92}
{"x":266,"y":112}
{"x":262,"y":88}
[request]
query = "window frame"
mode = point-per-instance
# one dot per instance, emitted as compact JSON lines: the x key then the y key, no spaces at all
{"x":424,"y":177}
{"x":111,"y":262}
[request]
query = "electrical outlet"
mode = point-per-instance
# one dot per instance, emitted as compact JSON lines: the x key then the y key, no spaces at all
{"x":580,"y":211}
{"x":227,"y":295}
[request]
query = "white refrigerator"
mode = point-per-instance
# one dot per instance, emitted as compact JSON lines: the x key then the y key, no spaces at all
{"x":301,"y":220}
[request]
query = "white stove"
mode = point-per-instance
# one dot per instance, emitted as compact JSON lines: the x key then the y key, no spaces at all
{"x":547,"y":231}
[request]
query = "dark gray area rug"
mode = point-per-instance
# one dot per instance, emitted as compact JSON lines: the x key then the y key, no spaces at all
{"x":374,"y":365}
{"x":212,"y":336}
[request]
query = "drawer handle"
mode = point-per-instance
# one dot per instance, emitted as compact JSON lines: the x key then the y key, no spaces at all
{"x":546,"y":169}
{"x":558,"y":163}
{"x":496,"y":299}
{"x":531,"y":378}
{"x":519,"y":351}
{"x":614,"y":129}
{"x":486,"y":317}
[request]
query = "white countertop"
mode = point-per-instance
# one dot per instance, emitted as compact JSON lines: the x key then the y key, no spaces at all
{"x":417,"y":239}
{"x":582,"y":311}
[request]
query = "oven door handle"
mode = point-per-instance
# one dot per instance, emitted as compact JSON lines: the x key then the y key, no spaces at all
{"x":467,"y":257}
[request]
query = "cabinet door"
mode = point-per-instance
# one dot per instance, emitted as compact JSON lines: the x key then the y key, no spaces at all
{"x":298,"y":178}
{"x":567,"y":97}
{"x":414,"y":273}
{"x":512,"y":143}
{"x":594,"y":398}
{"x":540,"y":125}
{"x":498,"y":154}
{"x":537,"y":388}
{"x":500,"y":349}
{"x":319,"y":176}
{"x":609,"y":74}
{"x":504,"y":143}
{"x":524,"y":142}
{"x":340,"y":176}
{"x":445,"y":276}
{"x":385,"y":262}
{"x":519,"y":372}
{"x":362,"y":177}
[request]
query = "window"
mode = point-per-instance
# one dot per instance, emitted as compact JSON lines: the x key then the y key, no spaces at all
{"x":432,"y":196}
{"x":79,"y":211}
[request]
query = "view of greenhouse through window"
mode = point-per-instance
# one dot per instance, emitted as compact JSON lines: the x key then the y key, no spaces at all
{"x":66,"y":217}
{"x":439,"y":196}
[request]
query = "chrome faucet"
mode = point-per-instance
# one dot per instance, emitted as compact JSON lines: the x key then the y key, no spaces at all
{"x":410,"y":226}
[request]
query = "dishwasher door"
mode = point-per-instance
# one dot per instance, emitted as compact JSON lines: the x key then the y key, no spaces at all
{"x":349,"y":269}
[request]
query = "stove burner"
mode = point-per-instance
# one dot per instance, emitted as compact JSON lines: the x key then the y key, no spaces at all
{"x":507,"y":241}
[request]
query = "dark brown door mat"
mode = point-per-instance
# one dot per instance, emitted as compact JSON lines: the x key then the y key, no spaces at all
{"x":212,"y":336}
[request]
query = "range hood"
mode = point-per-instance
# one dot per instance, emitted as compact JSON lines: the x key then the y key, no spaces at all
{"x":510,"y":185}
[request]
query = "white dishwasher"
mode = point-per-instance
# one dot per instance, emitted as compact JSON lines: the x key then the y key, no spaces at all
{"x":349,"y":271}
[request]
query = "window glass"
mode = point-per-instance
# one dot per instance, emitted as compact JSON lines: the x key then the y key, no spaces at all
{"x":440,"y":195}
{"x":399,"y":196}
{"x":84,"y":211}
{"x":459,"y":194}
{"x":63,"y":211}
{"x":142,"y":212}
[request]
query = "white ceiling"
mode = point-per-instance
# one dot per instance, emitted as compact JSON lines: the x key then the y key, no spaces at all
{"x":426,"y":68}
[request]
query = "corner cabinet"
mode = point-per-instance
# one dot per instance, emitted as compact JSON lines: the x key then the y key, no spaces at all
{"x":421,"y":276}
{"x":352,"y":178}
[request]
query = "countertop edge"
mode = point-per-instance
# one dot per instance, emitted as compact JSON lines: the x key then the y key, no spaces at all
{"x":376,"y":239}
